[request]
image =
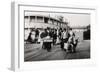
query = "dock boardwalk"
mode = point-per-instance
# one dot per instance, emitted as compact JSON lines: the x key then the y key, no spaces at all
{"x":33,"y":52}
{"x":30,"y":49}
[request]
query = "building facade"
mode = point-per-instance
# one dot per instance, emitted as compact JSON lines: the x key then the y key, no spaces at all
{"x":41,"y":22}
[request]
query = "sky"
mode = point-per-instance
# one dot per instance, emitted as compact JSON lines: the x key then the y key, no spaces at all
{"x":74,"y":19}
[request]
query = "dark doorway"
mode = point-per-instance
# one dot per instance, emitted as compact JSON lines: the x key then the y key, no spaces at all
{"x":45,"y":20}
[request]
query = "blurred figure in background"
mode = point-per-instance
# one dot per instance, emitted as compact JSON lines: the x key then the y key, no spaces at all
{"x":57,"y":39}
{"x":64,"y":38}
{"x":36,"y":35}
{"x":31,"y":37}
{"x":54,"y":36}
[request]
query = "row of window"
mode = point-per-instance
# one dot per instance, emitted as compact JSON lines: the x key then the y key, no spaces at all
{"x":43,"y":20}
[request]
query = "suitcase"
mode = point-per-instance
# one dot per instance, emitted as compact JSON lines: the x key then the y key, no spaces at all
{"x":66,"y":46}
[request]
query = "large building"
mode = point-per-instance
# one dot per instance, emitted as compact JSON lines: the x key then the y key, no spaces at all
{"x":40,"y":21}
{"x":43,"y":21}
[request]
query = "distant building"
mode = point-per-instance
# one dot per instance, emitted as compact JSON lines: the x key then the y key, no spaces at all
{"x":79,"y":32}
{"x":87,"y":33}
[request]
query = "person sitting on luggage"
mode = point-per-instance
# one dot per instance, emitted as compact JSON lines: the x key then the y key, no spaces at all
{"x":71,"y":40}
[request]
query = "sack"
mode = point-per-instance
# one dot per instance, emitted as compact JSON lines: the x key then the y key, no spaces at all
{"x":66,"y":46}
{"x":57,"y":41}
{"x":41,"y":43}
{"x":70,"y":40}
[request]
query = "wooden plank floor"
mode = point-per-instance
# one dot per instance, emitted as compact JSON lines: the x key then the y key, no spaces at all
{"x":33,"y":52}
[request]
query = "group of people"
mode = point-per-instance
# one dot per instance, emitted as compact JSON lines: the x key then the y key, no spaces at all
{"x":33,"y":36}
{"x":64,"y":37}
{"x":68,"y":41}
{"x":60,"y":36}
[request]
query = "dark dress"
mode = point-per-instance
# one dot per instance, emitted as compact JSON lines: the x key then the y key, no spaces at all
{"x":46,"y":45}
{"x":29,"y":39}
